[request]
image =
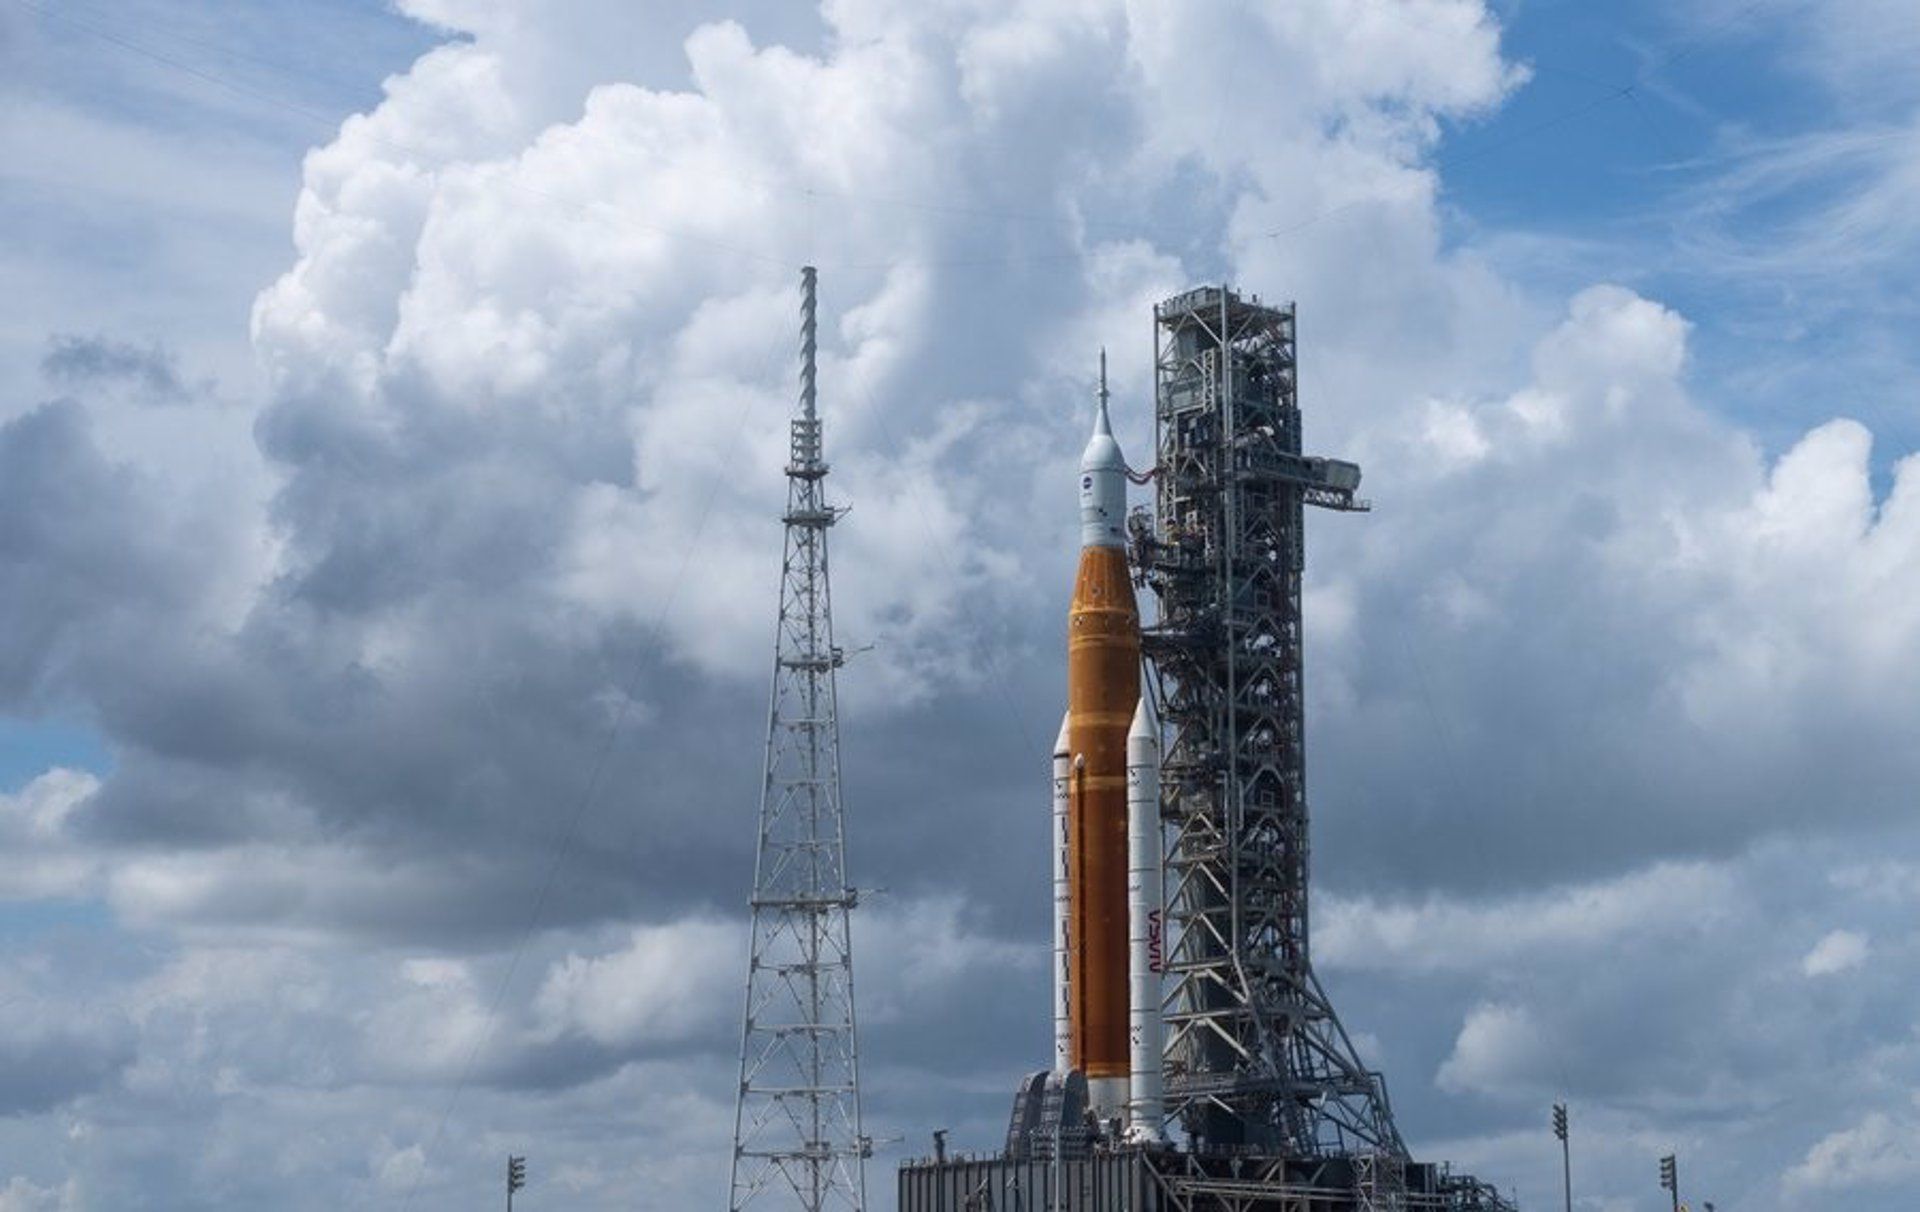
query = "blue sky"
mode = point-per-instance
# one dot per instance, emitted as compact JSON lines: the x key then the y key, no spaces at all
{"x":387,"y":392}
{"x":1621,"y":175}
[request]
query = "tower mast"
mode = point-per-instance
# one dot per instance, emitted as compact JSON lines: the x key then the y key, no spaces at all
{"x":797,"y":1139}
{"x":1261,"y":1058}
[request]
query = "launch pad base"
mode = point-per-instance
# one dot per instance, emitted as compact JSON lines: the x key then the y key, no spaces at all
{"x":1170,"y":1180}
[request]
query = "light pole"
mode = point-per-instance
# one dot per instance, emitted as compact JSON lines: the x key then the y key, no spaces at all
{"x":1670,"y":1178}
{"x":1566,"y":1155}
{"x":516,"y":1177}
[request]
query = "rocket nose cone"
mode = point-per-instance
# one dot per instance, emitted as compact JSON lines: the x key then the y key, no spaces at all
{"x":1143,"y":738}
{"x":1143,"y":721}
{"x":1061,"y":744}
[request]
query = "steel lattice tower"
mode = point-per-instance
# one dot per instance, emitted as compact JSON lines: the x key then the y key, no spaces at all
{"x":1256,"y":1057}
{"x":797,"y":1123}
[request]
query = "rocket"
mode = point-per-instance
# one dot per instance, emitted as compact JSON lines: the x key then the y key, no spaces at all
{"x":1098,"y":1027}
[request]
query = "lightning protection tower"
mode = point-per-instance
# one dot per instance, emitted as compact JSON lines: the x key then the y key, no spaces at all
{"x":797,"y":1140}
{"x":1256,"y":1058}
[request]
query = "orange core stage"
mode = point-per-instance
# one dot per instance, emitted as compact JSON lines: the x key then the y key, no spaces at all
{"x":1103,"y":687}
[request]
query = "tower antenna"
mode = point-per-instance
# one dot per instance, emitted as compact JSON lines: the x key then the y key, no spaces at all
{"x":797,"y":1134}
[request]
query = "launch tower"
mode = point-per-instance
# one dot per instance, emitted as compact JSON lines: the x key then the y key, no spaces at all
{"x":1256,"y":1056}
{"x":797,"y":1140}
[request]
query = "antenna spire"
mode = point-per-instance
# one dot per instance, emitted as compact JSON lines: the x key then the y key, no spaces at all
{"x":796,"y":1128}
{"x":809,"y":311}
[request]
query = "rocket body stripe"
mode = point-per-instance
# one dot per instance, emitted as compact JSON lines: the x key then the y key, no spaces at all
{"x":1062,"y":904}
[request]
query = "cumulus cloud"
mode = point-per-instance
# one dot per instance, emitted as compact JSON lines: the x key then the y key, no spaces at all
{"x":523,"y":431}
{"x":20,"y":1195}
{"x":1719,"y":625}
{"x":433,"y":695}
{"x":1656,"y":1004}
{"x":33,"y":823}
{"x":1835,"y":952}
{"x":1499,"y":1048}
{"x":398,"y":1171}
{"x":1659,"y":902}
{"x":667,"y":984}
{"x":925,"y":953}
{"x":1878,"y":1150}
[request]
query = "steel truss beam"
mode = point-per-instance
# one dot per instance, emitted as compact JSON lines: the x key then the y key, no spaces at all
{"x":1256,"y":1056}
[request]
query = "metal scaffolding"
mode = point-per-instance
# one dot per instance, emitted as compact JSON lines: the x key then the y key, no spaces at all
{"x":1256,"y":1057}
{"x":1163,"y":1180}
{"x":797,"y":1139}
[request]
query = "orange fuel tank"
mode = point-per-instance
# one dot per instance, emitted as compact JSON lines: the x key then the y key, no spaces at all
{"x":1103,"y":688}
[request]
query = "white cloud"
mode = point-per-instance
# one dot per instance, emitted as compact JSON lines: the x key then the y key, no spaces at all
{"x":1501,"y":1049}
{"x":682,"y":981}
{"x":490,"y":267}
{"x":1835,"y":952}
{"x":39,"y":810}
{"x":1594,"y":529}
{"x":399,"y":1170}
{"x":668,"y":983}
{"x":1885,"y":880}
{"x":33,"y":821}
{"x":916,"y":956}
{"x":1445,"y":934}
{"x":1877,"y":1150}
{"x":20,"y":1195}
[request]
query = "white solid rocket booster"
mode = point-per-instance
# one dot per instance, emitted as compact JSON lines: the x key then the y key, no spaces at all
{"x":1146,"y":957}
{"x":1062,"y":905}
